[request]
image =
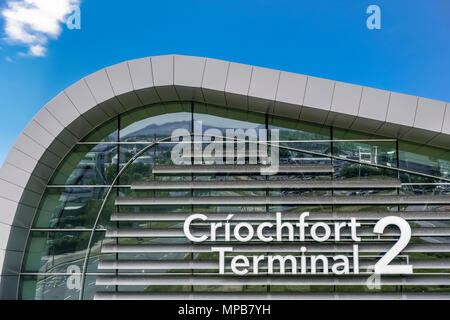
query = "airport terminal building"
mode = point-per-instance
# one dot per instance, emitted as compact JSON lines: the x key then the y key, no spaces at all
{"x":94,"y":205}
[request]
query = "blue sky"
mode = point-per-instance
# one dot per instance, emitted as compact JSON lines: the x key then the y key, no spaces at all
{"x":324,"y":38}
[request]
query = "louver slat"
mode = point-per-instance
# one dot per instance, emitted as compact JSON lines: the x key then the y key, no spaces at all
{"x":269,"y":184}
{"x":310,"y":280}
{"x":282,"y":248}
{"x":303,"y":200}
{"x":270,"y":216}
{"x":363,"y":232}
{"x":269,"y":296}
{"x":213,"y":264}
{"x":246,"y":169}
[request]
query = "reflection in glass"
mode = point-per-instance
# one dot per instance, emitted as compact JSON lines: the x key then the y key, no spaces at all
{"x":88,"y":165}
{"x":55,"y":252}
{"x":50,"y":287}
{"x":424,"y":159}
{"x":154,"y":122}
{"x":107,"y":132}
{"x":70,"y":207}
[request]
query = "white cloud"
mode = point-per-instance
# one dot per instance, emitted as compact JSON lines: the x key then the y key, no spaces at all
{"x":33,"y":22}
{"x":8,"y":59}
{"x":37,"y":51}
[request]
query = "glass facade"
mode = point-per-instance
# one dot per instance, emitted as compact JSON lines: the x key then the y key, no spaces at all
{"x":72,"y":240}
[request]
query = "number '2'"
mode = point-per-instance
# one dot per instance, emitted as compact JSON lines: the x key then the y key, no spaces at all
{"x":382,"y":266}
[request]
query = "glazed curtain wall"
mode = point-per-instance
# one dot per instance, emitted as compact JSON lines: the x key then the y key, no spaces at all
{"x":64,"y":245}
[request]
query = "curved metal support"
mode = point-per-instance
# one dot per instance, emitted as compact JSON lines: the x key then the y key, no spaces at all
{"x":88,"y":249}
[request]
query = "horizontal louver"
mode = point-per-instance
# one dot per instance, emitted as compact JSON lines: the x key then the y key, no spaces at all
{"x":282,"y":248}
{"x":244,"y":168}
{"x":268,"y":296}
{"x":270,"y":216}
{"x":267,"y":184}
{"x":310,"y":280}
{"x":304,"y":200}
{"x":212,"y":264}
{"x":198,"y":231}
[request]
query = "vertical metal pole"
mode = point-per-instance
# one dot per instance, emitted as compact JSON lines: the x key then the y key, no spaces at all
{"x":116,"y":288}
{"x":398,"y":177}
{"x":192,"y":179}
{"x":267,"y":178}
{"x":332,"y":175}
{"x":398,"y":166}
{"x":332,"y":164}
